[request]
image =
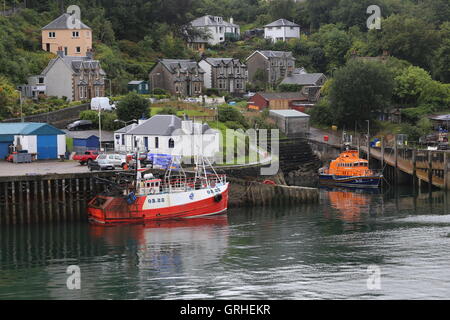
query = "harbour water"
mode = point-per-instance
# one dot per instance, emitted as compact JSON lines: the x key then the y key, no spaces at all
{"x":314,"y":251}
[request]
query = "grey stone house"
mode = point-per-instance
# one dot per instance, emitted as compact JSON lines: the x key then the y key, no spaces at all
{"x":76,"y":78}
{"x":273,"y":66}
{"x":224,"y":74}
{"x":178,"y":77}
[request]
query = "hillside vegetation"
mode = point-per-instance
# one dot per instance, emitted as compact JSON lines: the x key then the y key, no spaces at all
{"x":130,"y":35}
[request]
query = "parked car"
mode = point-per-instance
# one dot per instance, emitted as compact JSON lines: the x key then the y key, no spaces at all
{"x":86,"y":157}
{"x":108,"y":162}
{"x":80,"y":125}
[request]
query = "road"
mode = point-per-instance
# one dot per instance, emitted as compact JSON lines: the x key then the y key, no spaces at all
{"x":40,"y":168}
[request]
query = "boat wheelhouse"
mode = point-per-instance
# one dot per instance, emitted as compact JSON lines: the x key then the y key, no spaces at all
{"x":350,"y":170}
{"x":172,"y":196}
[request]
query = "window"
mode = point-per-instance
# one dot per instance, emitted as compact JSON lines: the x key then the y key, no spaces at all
{"x":81,"y":92}
{"x":156,"y":142}
{"x":65,"y":51}
{"x":41,"y":80}
{"x":75,"y":34}
{"x":78,"y":49}
{"x":88,"y":34}
{"x":171,"y":143}
{"x":52,"y":34}
{"x":97,"y":91}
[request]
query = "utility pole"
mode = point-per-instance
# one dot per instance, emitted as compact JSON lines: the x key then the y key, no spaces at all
{"x":100,"y":126}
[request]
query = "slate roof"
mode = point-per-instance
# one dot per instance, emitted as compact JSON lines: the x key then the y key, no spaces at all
{"x":76,"y":64}
{"x":302,"y":78}
{"x":282,"y":23}
{"x":158,"y":125}
{"x":106,"y":135}
{"x":60,"y":23}
{"x":209,"y":20}
{"x":282,"y":95}
{"x":28,"y":129}
{"x":218,"y":61}
{"x":274,"y":54}
{"x":173,"y":65}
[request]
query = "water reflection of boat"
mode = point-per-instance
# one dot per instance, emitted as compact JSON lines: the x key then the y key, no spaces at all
{"x":349,"y":204}
{"x":119,"y":234}
{"x":349,"y":170}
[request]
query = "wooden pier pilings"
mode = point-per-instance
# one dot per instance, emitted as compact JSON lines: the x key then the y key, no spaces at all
{"x":46,"y":198}
{"x":36,"y":199}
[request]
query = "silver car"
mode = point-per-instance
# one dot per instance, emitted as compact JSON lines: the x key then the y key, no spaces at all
{"x":108,"y":162}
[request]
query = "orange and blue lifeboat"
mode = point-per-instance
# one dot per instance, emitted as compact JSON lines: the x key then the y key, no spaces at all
{"x":349,"y":170}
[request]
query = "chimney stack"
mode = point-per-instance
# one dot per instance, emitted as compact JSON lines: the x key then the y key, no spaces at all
{"x":231,"y":20}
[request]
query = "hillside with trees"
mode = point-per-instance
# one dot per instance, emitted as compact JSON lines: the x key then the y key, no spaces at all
{"x":130,"y":35}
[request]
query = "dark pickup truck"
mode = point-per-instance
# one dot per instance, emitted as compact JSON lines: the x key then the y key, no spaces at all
{"x":86,"y":157}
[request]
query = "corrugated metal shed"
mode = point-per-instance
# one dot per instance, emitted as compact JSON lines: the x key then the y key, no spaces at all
{"x":28,"y":128}
{"x":289,"y":113}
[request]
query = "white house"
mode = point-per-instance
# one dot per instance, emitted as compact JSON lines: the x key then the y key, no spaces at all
{"x":217,"y":28}
{"x":281,"y":30}
{"x":168,"y":134}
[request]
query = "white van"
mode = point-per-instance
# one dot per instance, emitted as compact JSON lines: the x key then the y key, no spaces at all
{"x":102,"y":103}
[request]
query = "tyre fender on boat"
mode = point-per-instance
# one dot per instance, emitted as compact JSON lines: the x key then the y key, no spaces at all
{"x":218,"y":197}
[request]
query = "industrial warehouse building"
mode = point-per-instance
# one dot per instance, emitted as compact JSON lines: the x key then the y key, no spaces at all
{"x":292,"y":123}
{"x":42,"y":139}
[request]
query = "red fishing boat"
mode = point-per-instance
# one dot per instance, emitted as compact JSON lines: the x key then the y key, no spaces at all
{"x":150,"y":198}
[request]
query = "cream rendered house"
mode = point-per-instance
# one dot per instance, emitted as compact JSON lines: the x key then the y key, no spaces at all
{"x":60,"y":34}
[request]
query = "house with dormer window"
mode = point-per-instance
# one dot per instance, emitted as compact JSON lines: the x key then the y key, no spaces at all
{"x":225,"y":74}
{"x":274,"y":66}
{"x":76,"y":78}
{"x":179,"y":77}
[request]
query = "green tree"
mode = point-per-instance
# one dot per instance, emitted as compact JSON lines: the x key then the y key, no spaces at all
{"x":358,"y":89}
{"x":410,"y":84}
{"x":8,"y":97}
{"x":409,"y":38}
{"x":441,"y":63}
{"x":133,"y":106}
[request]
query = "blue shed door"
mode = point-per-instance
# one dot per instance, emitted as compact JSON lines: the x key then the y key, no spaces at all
{"x":47,"y":147}
{"x":4,"y":151}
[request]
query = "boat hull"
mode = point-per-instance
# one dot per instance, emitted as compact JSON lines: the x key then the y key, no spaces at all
{"x":157,"y":207}
{"x":351,"y":181}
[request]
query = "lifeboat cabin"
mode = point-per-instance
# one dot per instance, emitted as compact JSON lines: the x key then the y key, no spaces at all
{"x":350,"y":170}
